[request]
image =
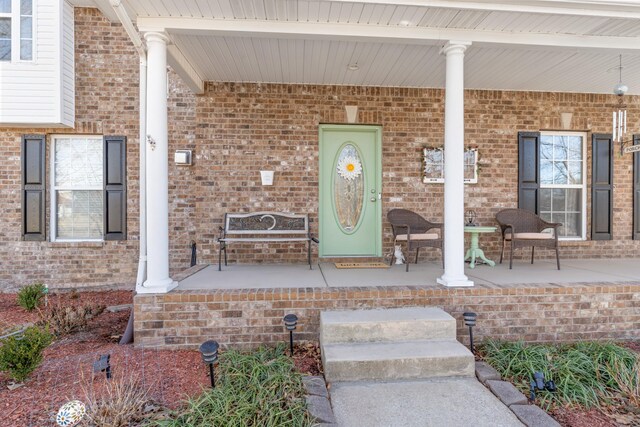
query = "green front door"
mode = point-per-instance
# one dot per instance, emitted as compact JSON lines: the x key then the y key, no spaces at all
{"x":350,"y":191}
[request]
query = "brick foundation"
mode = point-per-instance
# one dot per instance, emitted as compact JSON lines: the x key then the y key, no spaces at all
{"x":249,"y":317}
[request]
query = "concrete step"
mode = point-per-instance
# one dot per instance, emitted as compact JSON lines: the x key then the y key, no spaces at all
{"x":396,"y":360}
{"x":394,"y":324}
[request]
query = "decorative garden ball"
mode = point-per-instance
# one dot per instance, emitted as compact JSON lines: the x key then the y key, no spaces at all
{"x":71,"y":413}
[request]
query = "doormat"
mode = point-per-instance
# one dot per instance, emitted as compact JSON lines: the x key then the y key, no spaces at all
{"x":361,"y":265}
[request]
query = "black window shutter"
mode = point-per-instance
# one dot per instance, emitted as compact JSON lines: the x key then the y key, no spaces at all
{"x":529,"y":170}
{"x":115,"y":188}
{"x":636,"y":190}
{"x":33,"y":188}
{"x":602,"y":187}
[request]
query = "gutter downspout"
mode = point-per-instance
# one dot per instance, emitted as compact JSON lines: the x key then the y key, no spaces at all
{"x":125,"y":20}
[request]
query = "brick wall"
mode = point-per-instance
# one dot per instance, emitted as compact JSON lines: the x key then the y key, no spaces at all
{"x":235,"y":130}
{"x":247,"y":318}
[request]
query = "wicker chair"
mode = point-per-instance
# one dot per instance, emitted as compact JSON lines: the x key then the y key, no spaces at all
{"x":409,"y":227}
{"x":524,"y":228}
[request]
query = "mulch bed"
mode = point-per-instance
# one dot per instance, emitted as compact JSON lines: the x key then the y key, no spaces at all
{"x":66,"y":372}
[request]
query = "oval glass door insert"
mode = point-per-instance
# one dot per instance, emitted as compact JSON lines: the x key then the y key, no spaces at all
{"x":348,"y":191}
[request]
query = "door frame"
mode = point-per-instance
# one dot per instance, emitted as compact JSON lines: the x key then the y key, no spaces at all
{"x":322,"y":190}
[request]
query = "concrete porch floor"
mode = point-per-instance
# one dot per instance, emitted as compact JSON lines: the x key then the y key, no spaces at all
{"x":326,"y":275}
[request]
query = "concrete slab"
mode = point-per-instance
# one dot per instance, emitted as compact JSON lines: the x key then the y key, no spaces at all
{"x":391,"y":324}
{"x":485,"y":372}
{"x":390,"y":361}
{"x":320,"y":409}
{"x":255,"y":277}
{"x":533,"y":416}
{"x":451,"y":402}
{"x":244,"y":276}
{"x":507,"y":393}
{"x":315,"y":386}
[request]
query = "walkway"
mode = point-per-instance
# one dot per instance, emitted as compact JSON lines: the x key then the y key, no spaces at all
{"x":450,"y":402}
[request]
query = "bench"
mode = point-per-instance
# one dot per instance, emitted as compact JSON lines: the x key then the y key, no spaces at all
{"x":264,"y":227}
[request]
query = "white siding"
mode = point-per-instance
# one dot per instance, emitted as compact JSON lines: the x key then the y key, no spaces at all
{"x":30,"y":91}
{"x":68,"y":66}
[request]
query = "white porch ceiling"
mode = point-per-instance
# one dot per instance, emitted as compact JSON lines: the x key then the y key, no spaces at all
{"x":540,"y":45}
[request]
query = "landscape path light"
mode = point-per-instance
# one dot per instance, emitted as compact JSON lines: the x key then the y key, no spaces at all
{"x":470,"y":321}
{"x":209,"y":351}
{"x":291,"y":321}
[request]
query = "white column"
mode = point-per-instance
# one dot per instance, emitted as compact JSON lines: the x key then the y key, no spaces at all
{"x":454,"y":167}
{"x":157,"y":170}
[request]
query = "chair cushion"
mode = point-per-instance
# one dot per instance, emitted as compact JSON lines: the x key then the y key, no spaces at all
{"x":422,"y":236}
{"x":530,"y":236}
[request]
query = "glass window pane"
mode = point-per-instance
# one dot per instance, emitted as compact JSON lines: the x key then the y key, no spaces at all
{"x":26,"y":51}
{"x":573,"y":199}
{"x":545,"y":200}
{"x":78,"y":163}
{"x":546,"y":147}
{"x":575,"y":173}
{"x":560,"y":147}
{"x":558,"y":200}
{"x":560,"y":173}
{"x":5,"y":50}
{"x":26,"y":7}
{"x":575,"y":148}
{"x":79,"y":214}
{"x":25,"y":28}
{"x":469,"y":171}
{"x":546,"y":174}
{"x":5,"y":6}
{"x":5,"y":28}
{"x":572,"y":225}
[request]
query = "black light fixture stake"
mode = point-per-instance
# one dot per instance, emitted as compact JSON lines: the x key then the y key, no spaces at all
{"x":470,"y":321}
{"x":291,"y":321}
{"x":538,"y":383}
{"x":209,"y":351}
{"x":103,"y":364}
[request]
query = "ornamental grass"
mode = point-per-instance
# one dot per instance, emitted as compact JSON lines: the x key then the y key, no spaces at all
{"x":260,"y":388}
{"x":586,"y":374}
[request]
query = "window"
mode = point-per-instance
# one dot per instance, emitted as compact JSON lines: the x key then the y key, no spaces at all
{"x":563,"y":183}
{"x":16,"y":30}
{"x":433,"y":159}
{"x":77,"y":209}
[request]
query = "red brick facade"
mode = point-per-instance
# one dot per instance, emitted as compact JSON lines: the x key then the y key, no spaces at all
{"x":235,"y":130}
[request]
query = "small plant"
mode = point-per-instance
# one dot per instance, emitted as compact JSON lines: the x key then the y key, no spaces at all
{"x":118,"y":402}
{"x":257,"y":389}
{"x":586,"y":374}
{"x":21,"y":355}
{"x":30,"y":296}
{"x":64,"y":320}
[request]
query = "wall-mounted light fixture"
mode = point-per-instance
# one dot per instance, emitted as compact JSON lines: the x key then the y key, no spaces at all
{"x":182,"y":157}
{"x":266,"y":177}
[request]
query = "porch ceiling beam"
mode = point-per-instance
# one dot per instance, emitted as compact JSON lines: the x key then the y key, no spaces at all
{"x":187,"y":72}
{"x":608,"y":9}
{"x":377,"y":34}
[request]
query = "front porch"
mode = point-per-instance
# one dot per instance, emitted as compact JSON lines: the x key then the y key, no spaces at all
{"x":243,"y":305}
{"x":542,"y":273}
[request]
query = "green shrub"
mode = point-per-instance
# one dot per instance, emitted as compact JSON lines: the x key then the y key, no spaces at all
{"x":30,"y":296}
{"x":21,"y":355}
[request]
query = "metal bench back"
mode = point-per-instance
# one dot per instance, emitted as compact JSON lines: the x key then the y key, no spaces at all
{"x":266,"y":223}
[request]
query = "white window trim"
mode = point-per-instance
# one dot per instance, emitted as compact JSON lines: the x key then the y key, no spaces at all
{"x":584,"y":181}
{"x":427,"y":180}
{"x":15,"y":15}
{"x":53,"y":188}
